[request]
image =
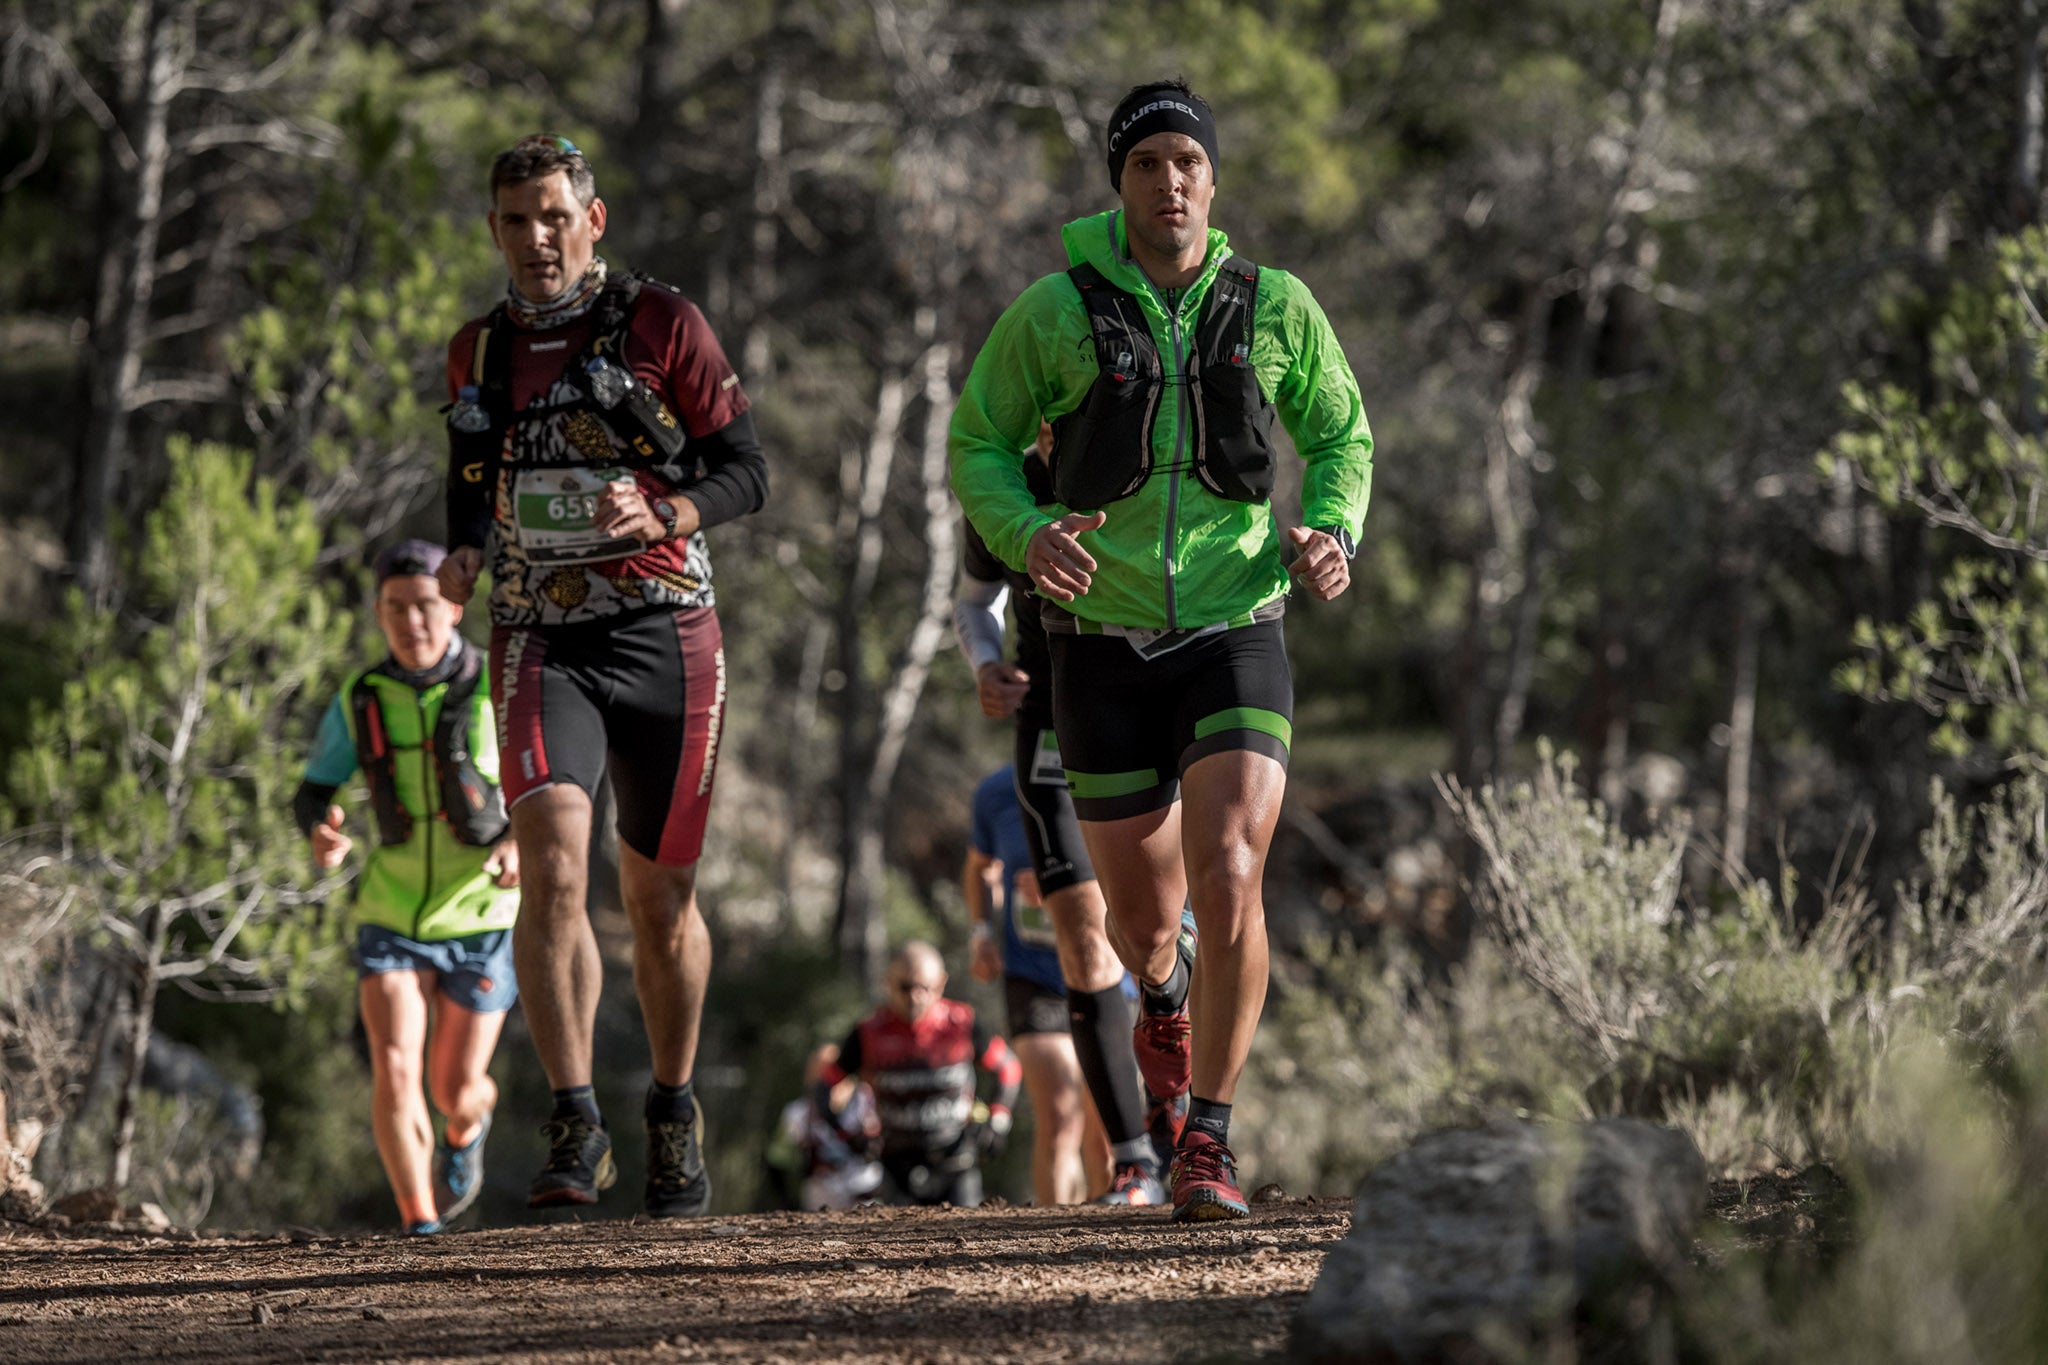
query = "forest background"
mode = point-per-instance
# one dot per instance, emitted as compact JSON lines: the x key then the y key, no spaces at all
{"x":1673,"y":754}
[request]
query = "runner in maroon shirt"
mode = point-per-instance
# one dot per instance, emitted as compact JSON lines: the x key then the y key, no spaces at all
{"x":920,"y":1052}
{"x":596,"y":430}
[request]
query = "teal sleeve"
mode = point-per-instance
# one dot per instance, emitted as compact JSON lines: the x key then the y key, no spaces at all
{"x":1016,"y":379}
{"x":1319,"y":404}
{"x":334,"y":753}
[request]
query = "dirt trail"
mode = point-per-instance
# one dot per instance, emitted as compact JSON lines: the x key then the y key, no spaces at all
{"x":895,"y":1285}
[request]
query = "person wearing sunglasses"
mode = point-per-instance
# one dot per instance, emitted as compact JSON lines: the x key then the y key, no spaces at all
{"x":921,"y":1051}
{"x":596,"y":431}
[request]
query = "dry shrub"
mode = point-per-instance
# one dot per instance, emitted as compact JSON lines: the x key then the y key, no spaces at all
{"x":1759,"y":1032}
{"x":1759,"y":1022}
{"x":44,"y":985}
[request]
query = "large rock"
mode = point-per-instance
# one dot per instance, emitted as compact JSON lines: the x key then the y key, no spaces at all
{"x":1474,"y":1244}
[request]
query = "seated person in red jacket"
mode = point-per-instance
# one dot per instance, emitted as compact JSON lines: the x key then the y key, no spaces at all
{"x":920,"y":1052}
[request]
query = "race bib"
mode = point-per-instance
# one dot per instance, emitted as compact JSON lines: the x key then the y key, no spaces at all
{"x":554,"y":509}
{"x":1034,"y":926}
{"x":1046,"y":768}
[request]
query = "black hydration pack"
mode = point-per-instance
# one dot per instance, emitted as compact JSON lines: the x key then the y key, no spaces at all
{"x":480,"y":420}
{"x":1102,"y":450}
{"x":474,"y":807}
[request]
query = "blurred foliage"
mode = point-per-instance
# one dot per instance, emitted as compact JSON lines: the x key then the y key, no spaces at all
{"x":154,"y":771}
{"x":1968,"y":453}
{"x":1610,"y":274}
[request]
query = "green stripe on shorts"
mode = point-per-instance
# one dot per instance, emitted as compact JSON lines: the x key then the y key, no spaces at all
{"x":1101,"y":786}
{"x":1246,"y":718}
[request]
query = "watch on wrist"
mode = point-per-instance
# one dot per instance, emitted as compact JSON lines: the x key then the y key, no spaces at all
{"x":665,"y":513}
{"x":1342,"y":535}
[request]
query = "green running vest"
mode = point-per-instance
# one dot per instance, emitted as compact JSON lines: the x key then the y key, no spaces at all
{"x":424,"y":753}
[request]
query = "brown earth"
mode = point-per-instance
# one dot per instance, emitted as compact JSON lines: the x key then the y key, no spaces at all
{"x":896,"y":1285}
{"x":930,"y":1287}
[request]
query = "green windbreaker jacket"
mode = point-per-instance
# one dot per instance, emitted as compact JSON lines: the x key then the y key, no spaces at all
{"x":1173,"y":555}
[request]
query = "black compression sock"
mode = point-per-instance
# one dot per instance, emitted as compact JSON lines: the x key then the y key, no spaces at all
{"x":1170,"y":996}
{"x":577,"y":1100}
{"x":671,"y":1103}
{"x":1209,"y":1117}
{"x":1102,"y":1045}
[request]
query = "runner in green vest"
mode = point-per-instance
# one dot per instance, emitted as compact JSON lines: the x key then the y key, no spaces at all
{"x":435,"y":901}
{"x":1161,"y":360}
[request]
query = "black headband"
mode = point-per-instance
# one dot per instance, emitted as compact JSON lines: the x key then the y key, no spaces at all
{"x":1162,"y":109}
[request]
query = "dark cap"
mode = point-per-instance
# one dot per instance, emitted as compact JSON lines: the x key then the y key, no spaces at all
{"x":406,"y":558}
{"x":1161,"y":107}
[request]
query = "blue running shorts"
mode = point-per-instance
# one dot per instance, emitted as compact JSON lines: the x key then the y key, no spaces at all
{"x":475,"y":970}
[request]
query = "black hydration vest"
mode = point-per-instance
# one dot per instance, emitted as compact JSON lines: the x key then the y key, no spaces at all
{"x":474,"y":807}
{"x":1102,"y":450}
{"x":480,"y":422}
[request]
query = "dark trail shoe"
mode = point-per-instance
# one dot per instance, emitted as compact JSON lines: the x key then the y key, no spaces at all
{"x":1205,"y":1182}
{"x":579,"y":1163}
{"x":678,"y":1186}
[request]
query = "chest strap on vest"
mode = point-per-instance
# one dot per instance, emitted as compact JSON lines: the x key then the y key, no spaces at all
{"x":604,"y":382}
{"x":1103,"y":450}
{"x":379,"y":763}
{"x":1233,"y":419}
{"x":473,"y":806}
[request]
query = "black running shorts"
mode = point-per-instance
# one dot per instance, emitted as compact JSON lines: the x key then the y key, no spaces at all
{"x":643,"y":695}
{"x":1032,"y":1007}
{"x":1130,"y":726}
{"x":1057,"y":852}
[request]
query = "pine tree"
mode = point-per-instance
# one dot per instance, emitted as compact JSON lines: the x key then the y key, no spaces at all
{"x":158,"y":783}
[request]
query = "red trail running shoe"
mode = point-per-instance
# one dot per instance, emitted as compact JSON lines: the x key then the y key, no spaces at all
{"x":1204,"y":1181}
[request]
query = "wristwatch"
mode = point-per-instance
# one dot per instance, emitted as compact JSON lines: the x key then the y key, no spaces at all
{"x":665,"y":513}
{"x":1342,"y":535}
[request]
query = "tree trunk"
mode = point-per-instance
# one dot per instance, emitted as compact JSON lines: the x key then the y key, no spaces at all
{"x":771,"y":191}
{"x":906,"y":688}
{"x":1501,"y":569}
{"x":1601,"y":273}
{"x":142,"y":1003}
{"x":654,"y":114}
{"x":102,"y":1017}
{"x":1741,"y":724}
{"x":864,"y":487}
{"x":2024,"y":186}
{"x":798,"y":769}
{"x":127,"y":284}
{"x":1607,"y":734}
{"x":1471,"y":755}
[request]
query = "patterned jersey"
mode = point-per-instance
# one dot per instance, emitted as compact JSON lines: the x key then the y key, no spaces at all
{"x":557,"y":460}
{"x":923,"y":1074}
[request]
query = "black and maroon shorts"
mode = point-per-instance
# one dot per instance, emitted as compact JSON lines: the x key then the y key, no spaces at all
{"x":643,"y":695}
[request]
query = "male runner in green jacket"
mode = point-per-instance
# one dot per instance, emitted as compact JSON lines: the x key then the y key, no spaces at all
{"x":1161,"y":360}
{"x":434,"y":906}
